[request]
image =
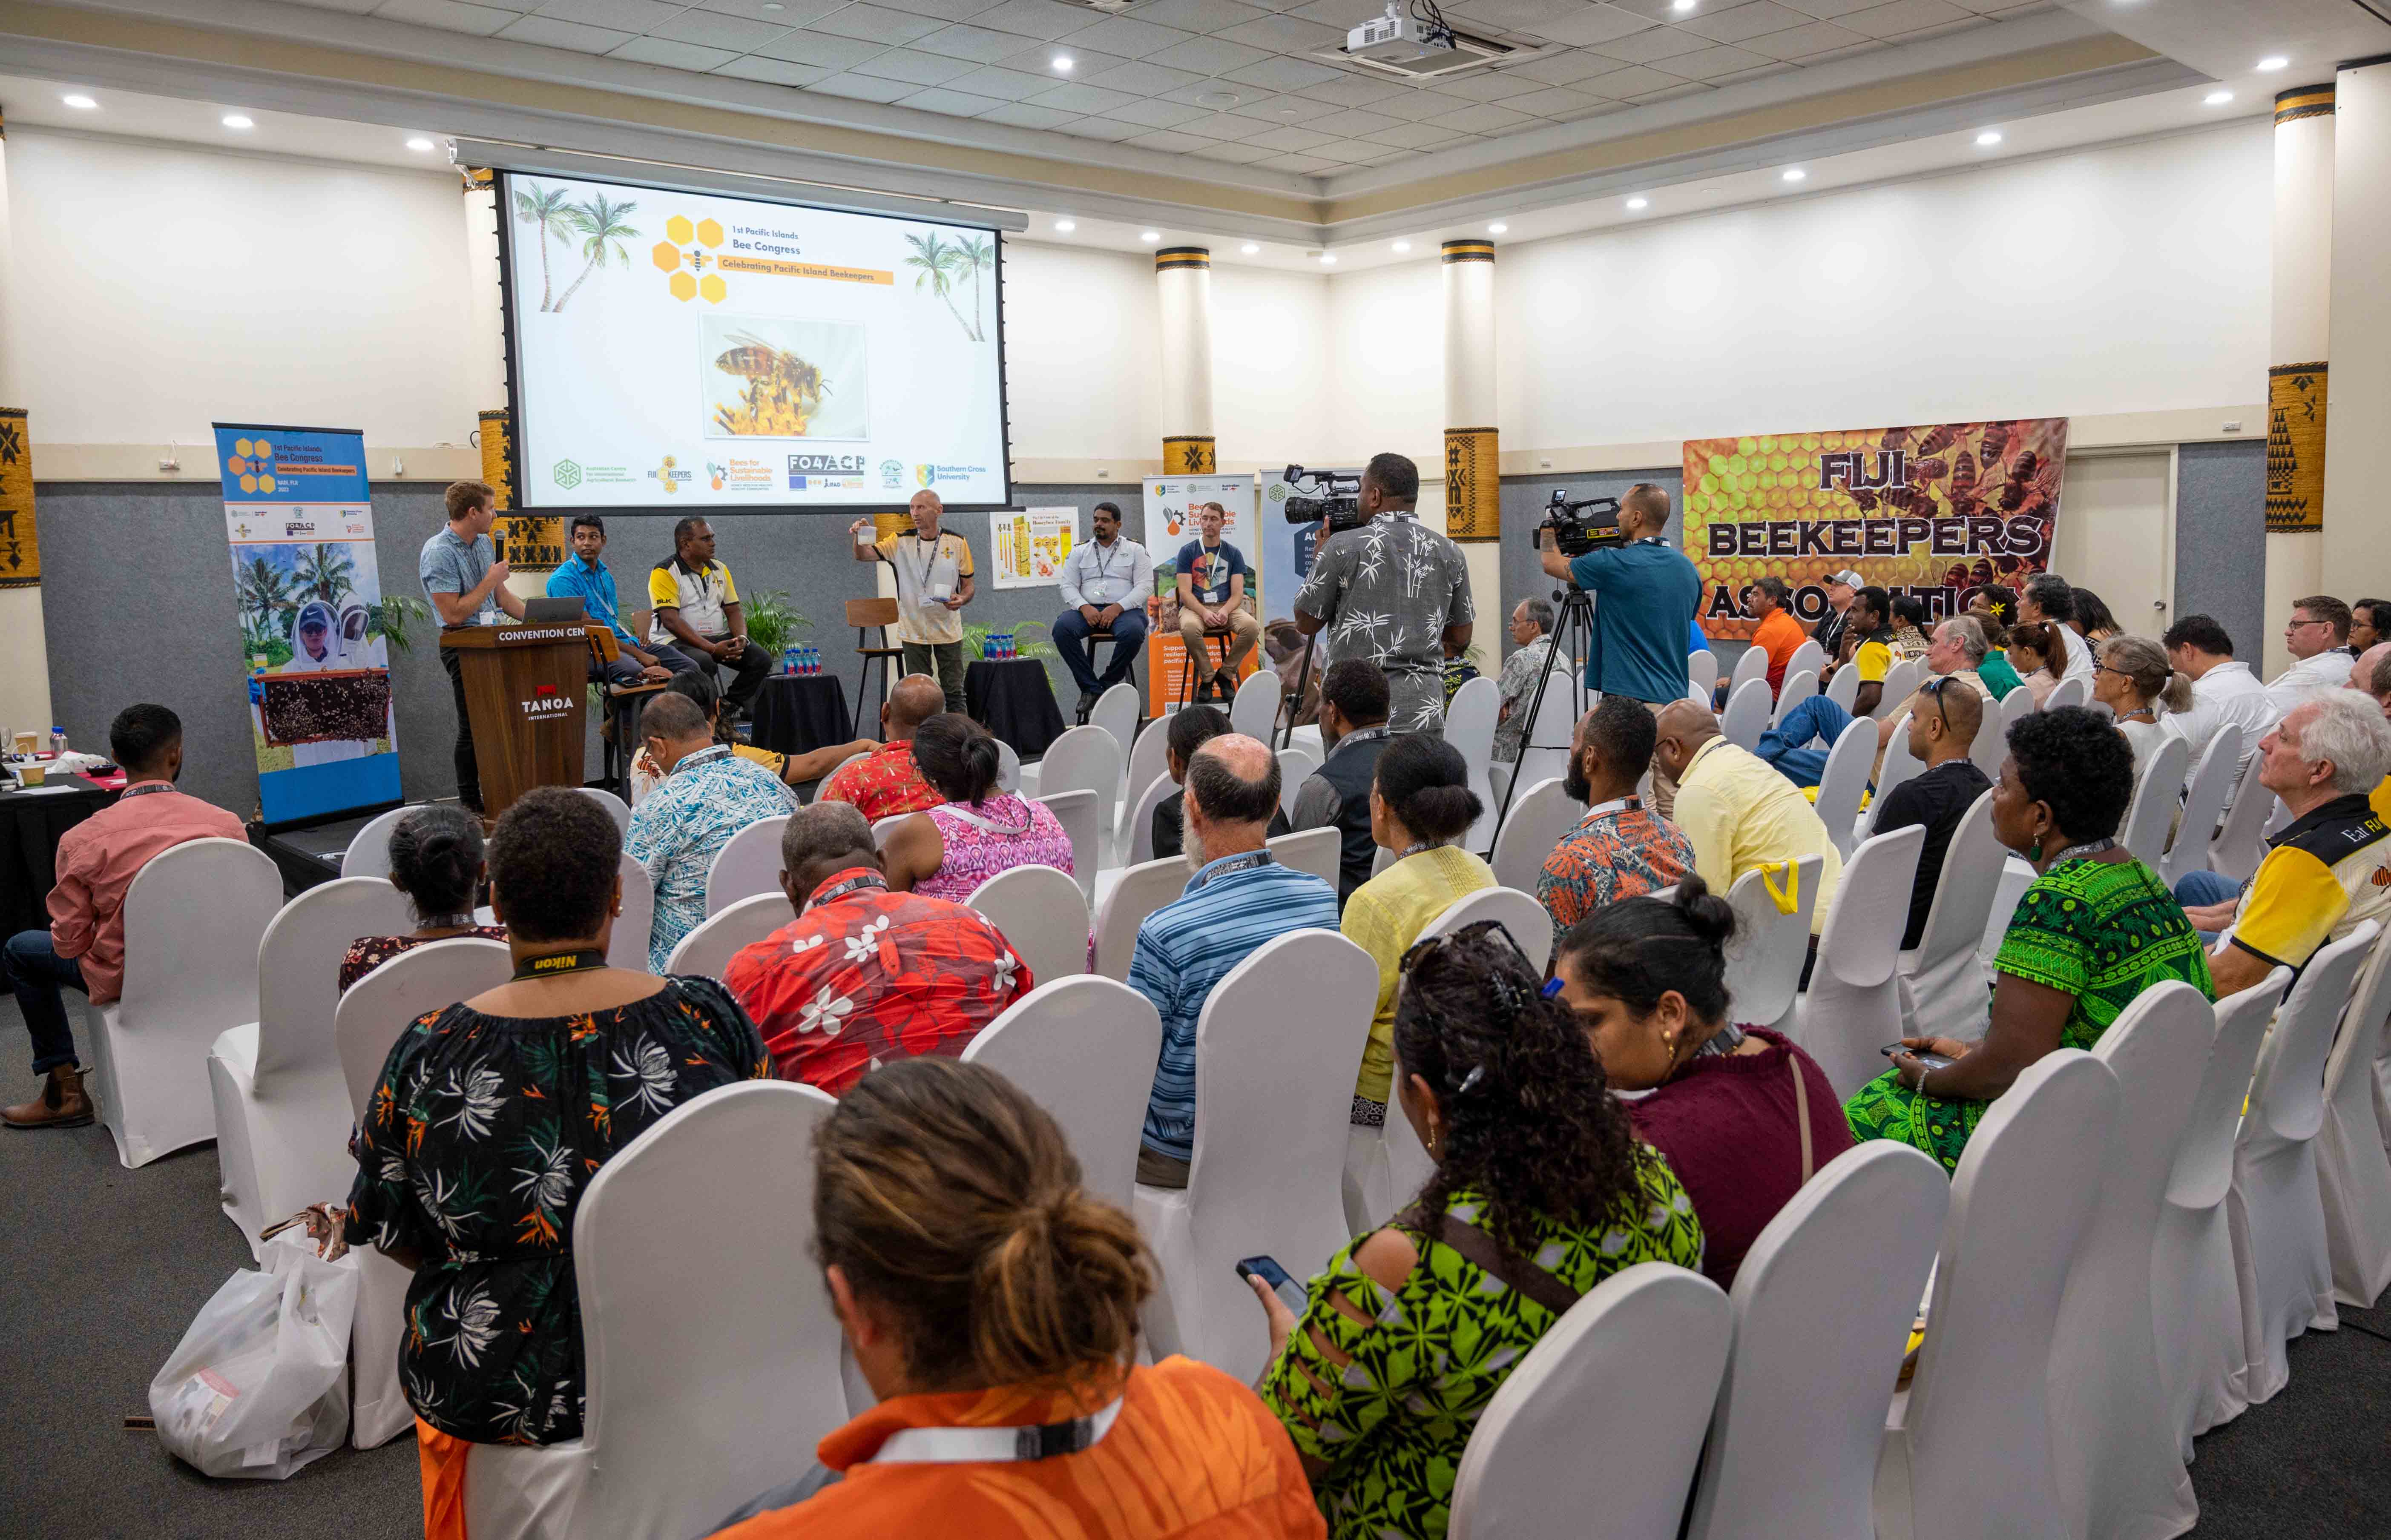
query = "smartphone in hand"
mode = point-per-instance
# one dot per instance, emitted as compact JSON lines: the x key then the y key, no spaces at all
{"x":1266,"y":1268}
{"x":1931,"y":1060}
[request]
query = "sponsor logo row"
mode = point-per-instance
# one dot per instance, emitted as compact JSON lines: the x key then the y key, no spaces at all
{"x":805,"y":473}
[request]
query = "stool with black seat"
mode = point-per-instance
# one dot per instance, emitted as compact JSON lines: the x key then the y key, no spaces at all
{"x":1187,"y":671}
{"x":1096,"y":635}
{"x":866,"y":615}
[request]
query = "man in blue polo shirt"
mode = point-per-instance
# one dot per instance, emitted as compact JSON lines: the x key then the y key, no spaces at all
{"x":586,"y":578}
{"x":1239,"y":899}
{"x":1646,"y":593}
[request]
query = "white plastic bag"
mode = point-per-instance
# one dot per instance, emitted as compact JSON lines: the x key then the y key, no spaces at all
{"x":259,"y":1385}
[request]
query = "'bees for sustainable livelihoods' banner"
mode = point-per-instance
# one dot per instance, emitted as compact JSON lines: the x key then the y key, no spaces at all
{"x":1936,"y":511}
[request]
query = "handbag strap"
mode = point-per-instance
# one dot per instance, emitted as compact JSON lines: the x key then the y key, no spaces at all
{"x":1801,"y":1113}
{"x":1492,"y":1257}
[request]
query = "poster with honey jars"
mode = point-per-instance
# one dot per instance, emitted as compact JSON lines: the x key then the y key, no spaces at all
{"x":1936,"y":511}
{"x":1028,"y":546}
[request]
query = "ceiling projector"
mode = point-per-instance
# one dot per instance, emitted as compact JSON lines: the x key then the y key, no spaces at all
{"x":1396,"y":38}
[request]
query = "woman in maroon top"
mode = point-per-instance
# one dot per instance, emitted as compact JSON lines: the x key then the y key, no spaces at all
{"x":1648,"y":981}
{"x":435,"y":860}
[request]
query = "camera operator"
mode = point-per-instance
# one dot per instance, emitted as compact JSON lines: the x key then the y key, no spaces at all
{"x":1394,"y":592}
{"x":1646,"y":595}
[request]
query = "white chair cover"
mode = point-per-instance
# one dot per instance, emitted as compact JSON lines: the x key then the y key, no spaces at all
{"x":1701,"y":672}
{"x":1853,"y":1007}
{"x":194,"y":920}
{"x":2114,"y":1453}
{"x":1469,"y":727}
{"x":1320,"y":852}
{"x":1541,"y":816}
{"x":2276,"y":1209}
{"x":627,"y":945}
{"x":1085,"y":758}
{"x":1149,"y":757}
{"x":1254,"y":711}
{"x":2196,"y":1302}
{"x":1899,"y":765}
{"x":2068,"y":692}
{"x":1843,"y":782}
{"x":1043,"y":915}
{"x":2241,"y":840}
{"x":859,"y":758}
{"x":1081,"y":816}
{"x":1008,"y":766}
{"x":1943,"y":990}
{"x":2352,"y":1170}
{"x":1992,"y":743}
{"x":1295,"y":766}
{"x":748,"y":864}
{"x":1545,"y":746}
{"x":281,"y":1110}
{"x":1967,"y":1452}
{"x":2204,"y":804}
{"x":1900,"y":684}
{"x":1276,"y":1047}
{"x":1844,"y":688}
{"x":368,"y":1021}
{"x":1746,"y":716}
{"x":1137,"y":834}
{"x":1763,"y":962}
{"x":616,"y":808}
{"x":2015,"y":878}
{"x":1381,"y":861}
{"x":368,"y":852}
{"x":882,"y":828}
{"x":1809,"y":655}
{"x":2156,"y":800}
{"x":1752,"y":665}
{"x":708,"y":949}
{"x":1084,"y":1048}
{"x":1138,"y":892}
{"x":1559,"y":1450}
{"x":1116,"y":712}
{"x":1816,"y":1341}
{"x":1798,"y":687}
{"x":2017,"y":706}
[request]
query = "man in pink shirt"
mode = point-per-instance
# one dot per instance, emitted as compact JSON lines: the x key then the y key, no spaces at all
{"x":97,"y":859}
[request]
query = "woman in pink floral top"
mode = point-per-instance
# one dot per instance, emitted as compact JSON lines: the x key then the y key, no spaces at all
{"x":948,"y":852}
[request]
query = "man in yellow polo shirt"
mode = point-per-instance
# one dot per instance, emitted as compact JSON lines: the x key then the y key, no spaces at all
{"x":1868,"y":632}
{"x":695,"y":608}
{"x":1737,"y":809}
{"x":2329,"y":869}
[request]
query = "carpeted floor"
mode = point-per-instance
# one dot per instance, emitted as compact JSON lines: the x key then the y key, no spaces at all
{"x":107,"y":1266}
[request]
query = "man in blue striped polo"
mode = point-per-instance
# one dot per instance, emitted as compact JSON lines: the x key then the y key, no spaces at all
{"x":1239,"y":899}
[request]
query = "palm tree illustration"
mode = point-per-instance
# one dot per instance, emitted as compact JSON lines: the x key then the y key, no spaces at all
{"x":263,"y":590}
{"x":976,"y":256}
{"x":547,"y":211}
{"x":937,"y":261}
{"x":326,"y":572}
{"x":603,"y":227}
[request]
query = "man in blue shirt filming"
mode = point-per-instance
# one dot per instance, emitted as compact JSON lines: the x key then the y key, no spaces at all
{"x":586,"y":578}
{"x":1646,"y":593}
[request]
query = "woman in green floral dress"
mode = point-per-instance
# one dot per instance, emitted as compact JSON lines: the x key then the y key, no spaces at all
{"x":1414,"y":1327}
{"x":2095,"y":930}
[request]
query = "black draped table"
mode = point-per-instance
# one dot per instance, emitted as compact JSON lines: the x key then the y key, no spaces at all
{"x":797,"y":714}
{"x":1012,"y":699}
{"x":31,"y":825}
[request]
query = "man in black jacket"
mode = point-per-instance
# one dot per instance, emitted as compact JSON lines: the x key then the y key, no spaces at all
{"x":1353,"y":699}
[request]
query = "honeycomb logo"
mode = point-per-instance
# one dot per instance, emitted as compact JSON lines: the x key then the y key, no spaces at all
{"x":687,"y":251}
{"x":566,"y":473}
{"x":252,"y":461}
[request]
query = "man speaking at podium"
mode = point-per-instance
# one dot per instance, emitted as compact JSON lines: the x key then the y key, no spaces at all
{"x":467,"y":585}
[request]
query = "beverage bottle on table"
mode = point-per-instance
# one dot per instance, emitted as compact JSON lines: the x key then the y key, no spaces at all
{"x":813,"y":660}
{"x":789,"y":660}
{"x":58,"y":740}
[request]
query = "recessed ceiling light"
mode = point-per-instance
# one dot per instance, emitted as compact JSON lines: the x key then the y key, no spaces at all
{"x":81,"y":103}
{"x":1402,"y":246}
{"x":1249,"y":247}
{"x":774,"y":5}
{"x":1063,"y":63}
{"x":1794,"y":174}
{"x":1149,"y":235}
{"x":1064,"y":225}
{"x":419,"y":144}
{"x":2272,"y":62}
{"x":1989,"y":137}
{"x":238,"y":119}
{"x":1218,"y":100}
{"x":1328,"y":258}
{"x":1682,"y":6}
{"x":1496,"y":228}
{"x":1640,"y":202}
{"x":2218,"y":98}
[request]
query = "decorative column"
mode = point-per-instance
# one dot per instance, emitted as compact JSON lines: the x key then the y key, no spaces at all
{"x":1183,"y":277}
{"x":533,"y":546}
{"x":1473,"y":482}
{"x":25,"y":682}
{"x":2356,"y":539}
{"x":2298,"y":344}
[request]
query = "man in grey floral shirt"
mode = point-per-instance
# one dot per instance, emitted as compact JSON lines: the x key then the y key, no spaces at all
{"x":1394,"y":592}
{"x":1531,"y":624}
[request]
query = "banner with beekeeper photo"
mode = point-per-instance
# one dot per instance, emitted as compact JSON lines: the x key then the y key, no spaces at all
{"x":314,"y":630}
{"x":1174,"y":507}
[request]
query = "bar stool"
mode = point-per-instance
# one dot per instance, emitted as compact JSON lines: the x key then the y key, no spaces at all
{"x":625,"y":704}
{"x":1216,"y":633}
{"x":864,"y":615}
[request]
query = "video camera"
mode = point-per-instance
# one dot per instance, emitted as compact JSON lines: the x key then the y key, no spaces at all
{"x":1573,"y":534}
{"x":1335,"y":496}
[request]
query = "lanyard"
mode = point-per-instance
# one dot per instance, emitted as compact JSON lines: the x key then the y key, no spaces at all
{"x":1617,"y":805}
{"x":1246,"y":862}
{"x":145,"y":789}
{"x":968,"y":1445}
{"x":463,"y":922}
{"x":2089,"y":847}
{"x":920,"y":567}
{"x":832,"y":891}
{"x":712,"y":751}
{"x":558,"y":963}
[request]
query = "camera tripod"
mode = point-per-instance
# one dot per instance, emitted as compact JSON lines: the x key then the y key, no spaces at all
{"x":1572,"y":638}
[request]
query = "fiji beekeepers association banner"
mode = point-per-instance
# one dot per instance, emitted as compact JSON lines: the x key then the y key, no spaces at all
{"x":1936,"y":511}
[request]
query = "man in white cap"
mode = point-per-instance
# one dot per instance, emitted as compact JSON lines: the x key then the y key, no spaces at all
{"x":1829,"y":633}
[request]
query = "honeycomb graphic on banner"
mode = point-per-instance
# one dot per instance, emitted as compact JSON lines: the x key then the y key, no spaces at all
{"x":685,"y":252}
{"x":252,"y":461}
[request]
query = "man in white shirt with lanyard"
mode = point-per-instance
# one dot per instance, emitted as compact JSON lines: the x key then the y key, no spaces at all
{"x":1105,"y":583}
{"x":934,"y":582}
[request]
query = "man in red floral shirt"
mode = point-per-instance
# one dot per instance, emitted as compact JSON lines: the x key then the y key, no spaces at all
{"x":863,"y":976}
{"x":886,"y":782}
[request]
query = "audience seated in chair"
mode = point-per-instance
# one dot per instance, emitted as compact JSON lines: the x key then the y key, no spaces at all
{"x":707,"y":795}
{"x":1621,"y":849}
{"x":2145,"y":695}
{"x":985,"y":1295}
{"x":1531,"y":624}
{"x":792,"y":770}
{"x":96,"y":861}
{"x":863,"y":976}
{"x":2095,"y":929}
{"x":888,"y":783}
{"x":2317,"y":637}
{"x":981,"y":829}
{"x":1353,"y":733}
{"x":1736,"y":812}
{"x":1944,"y":717}
{"x":2035,"y":654}
{"x":490,"y":1117}
{"x":1189,"y":729}
{"x":1237,"y":899}
{"x":1541,"y":1191}
{"x":1647,"y":982}
{"x":435,"y":860}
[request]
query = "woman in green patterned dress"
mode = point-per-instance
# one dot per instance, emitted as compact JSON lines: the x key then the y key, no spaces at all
{"x":2095,"y":930}
{"x":1412,"y":1330}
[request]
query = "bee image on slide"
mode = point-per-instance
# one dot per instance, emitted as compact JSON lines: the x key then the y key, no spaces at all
{"x":778,"y":379}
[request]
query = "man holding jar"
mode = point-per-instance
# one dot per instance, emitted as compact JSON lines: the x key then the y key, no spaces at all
{"x":934,"y":582}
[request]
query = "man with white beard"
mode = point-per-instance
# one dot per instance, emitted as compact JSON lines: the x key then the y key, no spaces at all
{"x":1237,"y":899}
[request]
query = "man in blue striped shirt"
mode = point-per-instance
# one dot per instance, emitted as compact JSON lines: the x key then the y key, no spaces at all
{"x":1239,"y":899}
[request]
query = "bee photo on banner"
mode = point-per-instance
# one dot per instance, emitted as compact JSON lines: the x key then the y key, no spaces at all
{"x":774,"y":377}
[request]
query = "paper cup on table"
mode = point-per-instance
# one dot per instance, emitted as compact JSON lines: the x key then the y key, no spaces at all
{"x":26,"y":742}
{"x":30,"y":775}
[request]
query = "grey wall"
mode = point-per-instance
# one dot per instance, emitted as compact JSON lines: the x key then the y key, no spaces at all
{"x":2220,"y":539}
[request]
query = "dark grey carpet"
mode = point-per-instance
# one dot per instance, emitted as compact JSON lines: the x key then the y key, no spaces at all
{"x":107,"y":1266}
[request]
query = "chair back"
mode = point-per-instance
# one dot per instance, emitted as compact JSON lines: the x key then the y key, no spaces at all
{"x":1135,"y":838}
{"x":2204,"y":804}
{"x":2152,"y":814}
{"x":1843,"y":782}
{"x":2201,"y":1171}
{"x":709,"y":1341}
{"x":1320,"y":852}
{"x":1137,"y":893}
{"x":616,"y":808}
{"x":1701,"y":673}
{"x":1381,"y":861}
{"x":1116,"y":712}
{"x":1254,"y":709}
{"x":1469,"y":727}
{"x":882,"y":827}
{"x":1295,"y":766}
{"x":1899,"y":765}
{"x":748,"y":864}
{"x":1844,"y":688}
{"x":1149,"y":757}
{"x":1809,"y":655}
{"x":2017,"y":706}
{"x":1977,"y":1428}
{"x":1752,"y":665}
{"x":299,"y":968}
{"x":2239,"y":844}
{"x":1763,"y":962}
{"x":1816,"y":1341}
{"x":1560,"y":1450}
{"x":368,"y":852}
{"x":627,"y":947}
{"x":1859,"y":948}
{"x":864,"y":613}
{"x":851,"y":758}
{"x":1085,"y":758}
{"x":1080,"y":814}
{"x":1008,"y":767}
{"x":1798,"y":687}
{"x":2353,"y":1169}
{"x":388,"y":1000}
{"x":1545,"y":746}
{"x":708,"y":949}
{"x":1540,"y":818}
{"x":2068,"y":692}
{"x":1900,"y":684}
{"x":1964,"y":889}
{"x":1747,"y":714}
{"x":1043,"y":915}
{"x":1084,"y":1048}
{"x":1992,"y":743}
{"x":2287,"y":1097}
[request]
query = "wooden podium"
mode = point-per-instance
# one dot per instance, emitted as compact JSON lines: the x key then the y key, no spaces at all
{"x":523,"y":690}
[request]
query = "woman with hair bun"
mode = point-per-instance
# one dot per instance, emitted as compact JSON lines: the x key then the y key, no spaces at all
{"x":1541,"y":1192}
{"x":984,"y":1294}
{"x":2132,"y":677}
{"x":1744,"y":1117}
{"x":435,"y":860}
{"x":948,"y":852}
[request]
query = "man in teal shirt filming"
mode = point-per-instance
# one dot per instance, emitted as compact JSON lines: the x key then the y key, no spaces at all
{"x":1645,"y":593}
{"x":586,"y":578}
